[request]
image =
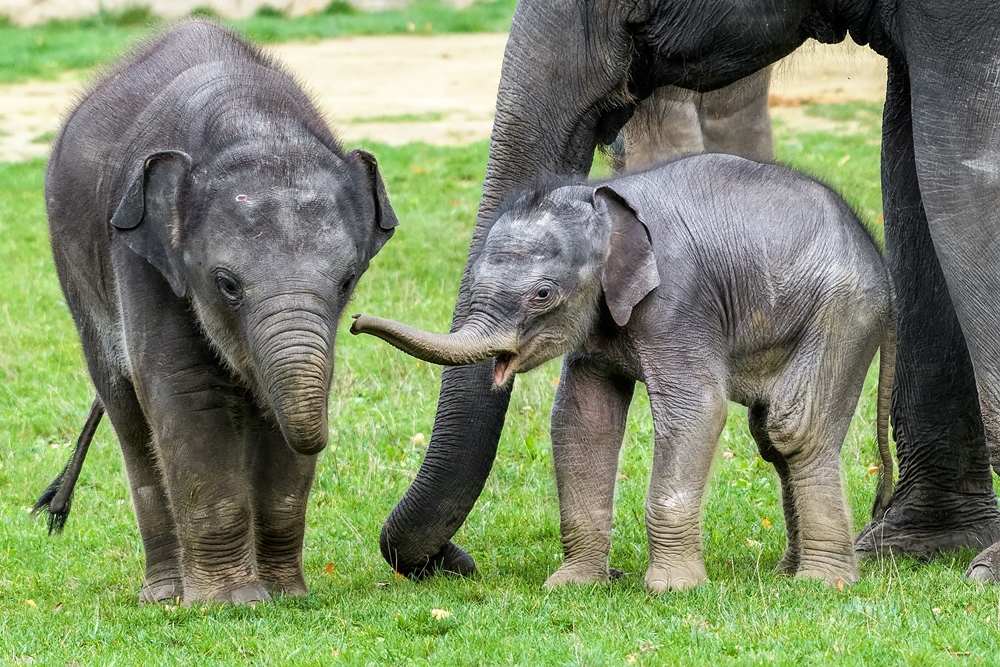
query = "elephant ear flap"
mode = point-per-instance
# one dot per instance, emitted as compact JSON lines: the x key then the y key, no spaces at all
{"x":630,"y":271}
{"x":385,"y":217}
{"x":148,"y":218}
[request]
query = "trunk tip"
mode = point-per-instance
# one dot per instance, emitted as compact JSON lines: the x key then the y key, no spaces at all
{"x":357,"y":326}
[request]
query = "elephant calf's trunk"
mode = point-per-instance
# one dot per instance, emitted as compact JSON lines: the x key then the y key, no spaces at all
{"x":468,"y":345}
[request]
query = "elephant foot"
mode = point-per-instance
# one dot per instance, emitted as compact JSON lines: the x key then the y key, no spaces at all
{"x":838,"y":577}
{"x":291,"y":587}
{"x":249,"y":594}
{"x":675,"y":577}
{"x":986,"y":566}
{"x":451,"y":559}
{"x":166,"y":590}
{"x":580,"y":574}
{"x":924,"y":524}
{"x":789,"y":563}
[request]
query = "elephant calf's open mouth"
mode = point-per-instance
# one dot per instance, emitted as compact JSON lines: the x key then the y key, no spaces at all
{"x":503,"y":369}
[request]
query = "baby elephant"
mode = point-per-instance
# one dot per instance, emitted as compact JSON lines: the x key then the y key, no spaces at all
{"x":709,"y":278}
{"x":208,"y":230}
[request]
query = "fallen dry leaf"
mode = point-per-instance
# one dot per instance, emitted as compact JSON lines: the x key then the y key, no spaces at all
{"x":31,"y":603}
{"x":329,"y":568}
{"x":840,"y":584}
{"x":766,"y":523}
{"x":727,"y":455}
{"x":440,"y":614}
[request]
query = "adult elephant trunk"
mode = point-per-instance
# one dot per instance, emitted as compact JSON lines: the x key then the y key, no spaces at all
{"x":292,"y":349}
{"x":534,"y":134}
{"x":468,"y":345}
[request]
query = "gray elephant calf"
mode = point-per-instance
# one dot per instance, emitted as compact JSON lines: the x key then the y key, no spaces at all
{"x":208,"y":230}
{"x":709,"y":278}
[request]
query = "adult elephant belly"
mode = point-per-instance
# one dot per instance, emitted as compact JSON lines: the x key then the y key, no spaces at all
{"x":941,"y":198}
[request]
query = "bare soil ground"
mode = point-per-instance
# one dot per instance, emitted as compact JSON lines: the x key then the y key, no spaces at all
{"x":440,"y":90}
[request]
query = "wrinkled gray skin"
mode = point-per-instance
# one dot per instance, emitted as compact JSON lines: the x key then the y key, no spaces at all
{"x":710,"y":278}
{"x":208,"y":230}
{"x":673,"y":122}
{"x":575,"y":71}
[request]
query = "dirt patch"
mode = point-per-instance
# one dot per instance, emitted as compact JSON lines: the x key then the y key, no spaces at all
{"x":441,"y":89}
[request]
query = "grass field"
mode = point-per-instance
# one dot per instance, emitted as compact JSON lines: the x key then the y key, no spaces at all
{"x":47,"y":50}
{"x":72,"y":599}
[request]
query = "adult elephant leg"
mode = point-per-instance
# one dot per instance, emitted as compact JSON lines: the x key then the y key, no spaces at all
{"x":673,"y":122}
{"x":665,"y":125}
{"x":944,"y":498}
{"x":956,"y":137}
{"x":735,"y":119}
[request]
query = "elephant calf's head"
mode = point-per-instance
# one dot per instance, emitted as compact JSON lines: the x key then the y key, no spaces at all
{"x":536,"y":287}
{"x":267,"y":249}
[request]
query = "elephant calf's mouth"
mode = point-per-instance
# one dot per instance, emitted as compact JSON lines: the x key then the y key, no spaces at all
{"x":503,"y":369}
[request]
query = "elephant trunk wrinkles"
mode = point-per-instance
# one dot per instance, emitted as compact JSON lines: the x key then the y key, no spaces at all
{"x":294,"y":355}
{"x":468,"y":345}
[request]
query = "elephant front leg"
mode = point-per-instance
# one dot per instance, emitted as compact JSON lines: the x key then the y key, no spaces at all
{"x":944,"y":498}
{"x":689,"y":413}
{"x":203,"y":455}
{"x":588,"y":424}
{"x":281,"y":482}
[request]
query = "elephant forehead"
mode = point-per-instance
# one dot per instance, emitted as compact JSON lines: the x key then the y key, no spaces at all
{"x":538,"y":235}
{"x":281,"y":211}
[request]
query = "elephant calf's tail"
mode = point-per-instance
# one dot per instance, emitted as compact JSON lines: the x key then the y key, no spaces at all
{"x":886,"y":378}
{"x":58,"y":497}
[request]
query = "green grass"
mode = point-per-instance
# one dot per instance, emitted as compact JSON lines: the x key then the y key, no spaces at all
{"x":47,"y":50}
{"x":83,"y":585}
{"x":847,"y":160}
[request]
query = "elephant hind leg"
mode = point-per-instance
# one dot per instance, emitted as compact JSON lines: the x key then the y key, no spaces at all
{"x":757,"y":417}
{"x":163,"y":580}
{"x":157,"y":528}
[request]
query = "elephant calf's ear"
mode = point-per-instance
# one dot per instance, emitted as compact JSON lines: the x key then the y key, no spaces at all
{"x":148,"y":216}
{"x":385,"y":217}
{"x":630,"y":271}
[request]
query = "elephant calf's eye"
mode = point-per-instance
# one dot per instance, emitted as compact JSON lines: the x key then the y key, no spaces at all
{"x":229,"y":287}
{"x":542,"y":293}
{"x":345,"y":286}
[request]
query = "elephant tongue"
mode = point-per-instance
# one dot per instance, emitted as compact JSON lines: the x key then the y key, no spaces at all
{"x":503,"y":369}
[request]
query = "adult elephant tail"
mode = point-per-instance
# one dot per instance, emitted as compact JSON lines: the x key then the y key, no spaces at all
{"x":886,"y":379}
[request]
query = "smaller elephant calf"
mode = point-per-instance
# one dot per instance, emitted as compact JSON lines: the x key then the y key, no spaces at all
{"x":709,"y":278}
